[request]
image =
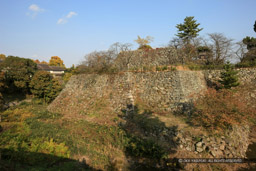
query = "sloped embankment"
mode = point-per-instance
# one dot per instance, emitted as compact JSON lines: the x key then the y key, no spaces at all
{"x":159,"y":90}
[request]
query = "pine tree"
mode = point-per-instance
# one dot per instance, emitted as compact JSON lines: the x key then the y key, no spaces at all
{"x":188,"y":30}
{"x":254,"y":26}
{"x":229,"y":77}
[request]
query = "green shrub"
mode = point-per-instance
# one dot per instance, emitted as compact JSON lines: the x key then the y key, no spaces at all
{"x":164,"y":68}
{"x":158,"y":68}
{"x":229,"y":77}
{"x":139,"y":147}
{"x":145,"y":47}
{"x":1,"y":102}
{"x":173,"y":69}
{"x":67,"y":76}
{"x":246,"y":64}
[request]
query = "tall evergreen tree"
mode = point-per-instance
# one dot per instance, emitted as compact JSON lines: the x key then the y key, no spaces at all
{"x":229,"y":77}
{"x":255,"y":26}
{"x":188,"y":30}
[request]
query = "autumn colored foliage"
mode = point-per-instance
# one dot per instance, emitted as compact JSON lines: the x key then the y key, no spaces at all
{"x":219,"y":110}
{"x":2,"y":57}
{"x":38,"y":62}
{"x":56,"y":61}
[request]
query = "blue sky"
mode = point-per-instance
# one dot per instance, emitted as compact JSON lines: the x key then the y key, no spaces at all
{"x":39,"y":29}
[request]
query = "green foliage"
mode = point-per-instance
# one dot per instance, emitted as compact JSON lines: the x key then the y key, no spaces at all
{"x":197,"y":67}
{"x":189,"y":29}
{"x":40,"y":83}
{"x":67,"y":76}
{"x":1,"y":102}
{"x":144,"y":47}
{"x":246,"y":64}
{"x":19,"y":72}
{"x":2,"y":81}
{"x":254,"y":26}
{"x":203,"y":49}
{"x":173,"y":68}
{"x":144,"y":148}
{"x":53,"y":90}
{"x":250,"y":56}
{"x":44,"y":86}
{"x":30,"y":125}
{"x":229,"y":77}
{"x":250,"y":42}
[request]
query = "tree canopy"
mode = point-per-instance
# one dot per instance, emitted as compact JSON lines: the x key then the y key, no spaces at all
{"x":19,"y":71}
{"x":255,"y":26}
{"x":2,"y":56}
{"x":44,"y":86}
{"x":188,"y":29}
{"x":229,"y":77}
{"x":250,"y":42}
{"x":143,"y":42}
{"x":56,"y":61}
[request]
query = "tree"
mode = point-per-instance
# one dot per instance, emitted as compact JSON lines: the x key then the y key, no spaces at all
{"x":221,"y":47}
{"x":254,"y":26}
{"x":240,"y":50}
{"x":19,"y":72}
{"x":124,"y":56}
{"x":250,"y":42}
{"x":44,"y":62}
{"x":188,"y":30}
{"x":117,"y":48}
{"x":143,"y":43}
{"x":2,"y":102}
{"x":53,"y":90}
{"x":205,"y":54}
{"x":56,"y":61}
{"x":44,"y":86}
{"x":37,"y":61}
{"x":176,"y":43}
{"x":2,"y":81}
{"x":250,"y":56}
{"x":2,"y":56}
{"x":229,"y":77}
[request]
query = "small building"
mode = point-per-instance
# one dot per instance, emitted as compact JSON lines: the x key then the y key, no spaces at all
{"x":54,"y":70}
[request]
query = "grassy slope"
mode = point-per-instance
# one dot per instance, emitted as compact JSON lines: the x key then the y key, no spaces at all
{"x":31,"y":128}
{"x":33,"y":138}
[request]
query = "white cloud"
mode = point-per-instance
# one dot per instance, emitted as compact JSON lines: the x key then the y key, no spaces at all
{"x":65,"y":19}
{"x":71,"y":14}
{"x":34,"y":10}
{"x":62,"y":21}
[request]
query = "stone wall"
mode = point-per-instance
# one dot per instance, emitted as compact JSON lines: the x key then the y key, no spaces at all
{"x":233,"y":143}
{"x":159,"y":90}
{"x":148,"y":58}
{"x":246,"y":75}
{"x":164,"y":91}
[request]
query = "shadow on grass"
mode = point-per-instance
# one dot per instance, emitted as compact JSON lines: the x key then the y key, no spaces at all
{"x":23,"y":160}
{"x":14,"y":96}
{"x":150,"y":140}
